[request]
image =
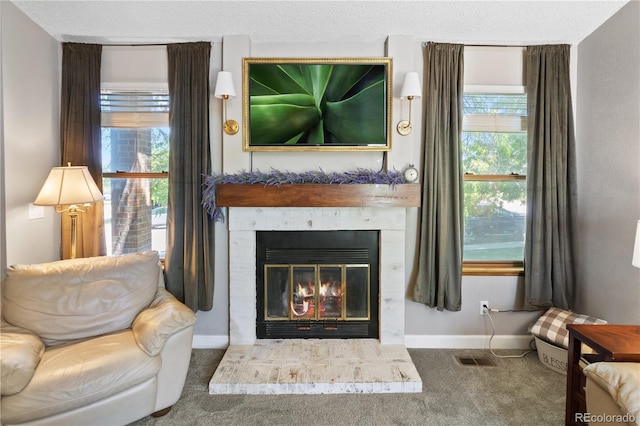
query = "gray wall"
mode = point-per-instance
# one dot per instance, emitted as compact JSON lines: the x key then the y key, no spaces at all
{"x":608,"y":154}
{"x":608,"y":162}
{"x":30,"y":134}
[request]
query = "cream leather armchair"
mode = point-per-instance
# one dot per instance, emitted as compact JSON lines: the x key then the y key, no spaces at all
{"x":613,"y":393}
{"x":91,"y":341}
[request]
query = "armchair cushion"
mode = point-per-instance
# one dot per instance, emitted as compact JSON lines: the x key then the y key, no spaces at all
{"x":90,"y":297}
{"x":20,"y":353}
{"x":73,"y":376}
{"x":162,"y":319}
{"x":621,"y":380}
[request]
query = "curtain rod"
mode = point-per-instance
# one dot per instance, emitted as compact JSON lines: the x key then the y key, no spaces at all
{"x":480,"y":45}
{"x":517,"y":45}
{"x":165,"y":44}
{"x":134,"y":45}
{"x":150,"y":44}
{"x":495,"y":45}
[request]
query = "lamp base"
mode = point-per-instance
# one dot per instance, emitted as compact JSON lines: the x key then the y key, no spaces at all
{"x":231,"y":127}
{"x":404,"y":127}
{"x":74,"y":216}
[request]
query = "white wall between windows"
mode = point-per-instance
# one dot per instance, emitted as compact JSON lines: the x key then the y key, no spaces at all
{"x":501,"y":66}
{"x":134,"y":68}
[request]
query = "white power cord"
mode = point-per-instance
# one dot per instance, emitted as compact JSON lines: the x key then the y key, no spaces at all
{"x":493,"y":333}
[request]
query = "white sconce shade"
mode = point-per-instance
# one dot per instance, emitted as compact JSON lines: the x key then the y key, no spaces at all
{"x":225,"y":91}
{"x":411,"y":86}
{"x":636,"y":248}
{"x":71,"y":185}
{"x":224,"y":86}
{"x":410,"y":89}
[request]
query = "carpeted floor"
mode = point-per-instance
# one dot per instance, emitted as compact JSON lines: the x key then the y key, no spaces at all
{"x":516,"y":391}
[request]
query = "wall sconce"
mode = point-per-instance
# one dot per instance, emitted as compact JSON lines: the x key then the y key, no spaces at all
{"x":410,"y":89}
{"x":225,"y":91}
{"x":69,"y":189}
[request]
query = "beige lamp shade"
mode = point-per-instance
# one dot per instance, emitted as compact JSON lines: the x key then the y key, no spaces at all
{"x":224,"y":86}
{"x":636,"y":248}
{"x":411,"y":86}
{"x":67,"y":186}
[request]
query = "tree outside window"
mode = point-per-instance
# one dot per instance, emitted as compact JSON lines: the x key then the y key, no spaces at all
{"x":494,"y":150}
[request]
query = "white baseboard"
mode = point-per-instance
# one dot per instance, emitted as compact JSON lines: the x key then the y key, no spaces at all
{"x":467,"y":341}
{"x":210,"y":342}
{"x":411,"y":341}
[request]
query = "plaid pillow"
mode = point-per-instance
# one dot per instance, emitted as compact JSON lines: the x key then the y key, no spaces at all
{"x":552,"y":326}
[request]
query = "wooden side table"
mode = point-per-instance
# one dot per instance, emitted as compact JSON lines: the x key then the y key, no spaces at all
{"x":610,"y":343}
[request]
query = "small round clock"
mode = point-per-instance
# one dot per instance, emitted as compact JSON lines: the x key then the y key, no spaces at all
{"x":411,"y":174}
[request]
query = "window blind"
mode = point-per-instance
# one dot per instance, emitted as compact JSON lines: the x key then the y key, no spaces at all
{"x":134,"y":109}
{"x":494,"y":112}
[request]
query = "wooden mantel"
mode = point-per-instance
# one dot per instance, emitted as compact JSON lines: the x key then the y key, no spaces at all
{"x":317,"y":195}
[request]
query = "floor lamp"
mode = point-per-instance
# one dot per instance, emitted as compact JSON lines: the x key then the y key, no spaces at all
{"x":70,"y":189}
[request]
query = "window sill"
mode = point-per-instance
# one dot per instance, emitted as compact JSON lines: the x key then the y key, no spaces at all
{"x":493,"y":268}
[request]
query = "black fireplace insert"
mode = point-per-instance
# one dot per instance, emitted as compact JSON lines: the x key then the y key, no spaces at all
{"x":317,"y":284}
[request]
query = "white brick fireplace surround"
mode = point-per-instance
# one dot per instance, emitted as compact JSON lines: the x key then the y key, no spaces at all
{"x":245,"y":221}
{"x":315,"y":366}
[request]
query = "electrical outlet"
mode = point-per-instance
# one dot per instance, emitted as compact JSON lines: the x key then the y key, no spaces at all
{"x":484,"y":310}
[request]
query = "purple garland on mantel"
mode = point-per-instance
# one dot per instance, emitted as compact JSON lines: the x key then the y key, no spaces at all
{"x":277,"y":178}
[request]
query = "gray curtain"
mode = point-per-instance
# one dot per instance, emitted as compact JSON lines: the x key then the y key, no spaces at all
{"x":439,"y":276}
{"x":551,"y":180}
{"x":80,"y":140}
{"x":190,"y":238}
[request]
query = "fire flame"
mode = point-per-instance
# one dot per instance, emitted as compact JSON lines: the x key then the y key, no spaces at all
{"x":330,"y":289}
{"x":305,"y":291}
{"x":330,"y":294}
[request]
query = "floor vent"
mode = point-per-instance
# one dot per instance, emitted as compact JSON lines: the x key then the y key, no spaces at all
{"x":475,"y":361}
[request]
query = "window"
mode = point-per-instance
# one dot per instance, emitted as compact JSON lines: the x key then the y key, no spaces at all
{"x":135,"y":161}
{"x":494,"y":160}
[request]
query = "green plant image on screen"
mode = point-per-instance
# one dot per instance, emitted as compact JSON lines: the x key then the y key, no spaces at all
{"x":331,"y":104}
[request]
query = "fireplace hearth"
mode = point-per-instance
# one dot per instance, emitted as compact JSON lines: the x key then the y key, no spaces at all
{"x":311,"y":365}
{"x":317,"y":284}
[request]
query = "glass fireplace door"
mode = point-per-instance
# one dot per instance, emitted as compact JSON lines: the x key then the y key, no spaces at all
{"x":317,"y":284}
{"x":337,"y":292}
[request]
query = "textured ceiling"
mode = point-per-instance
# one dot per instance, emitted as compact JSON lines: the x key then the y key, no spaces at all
{"x":482,"y":22}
